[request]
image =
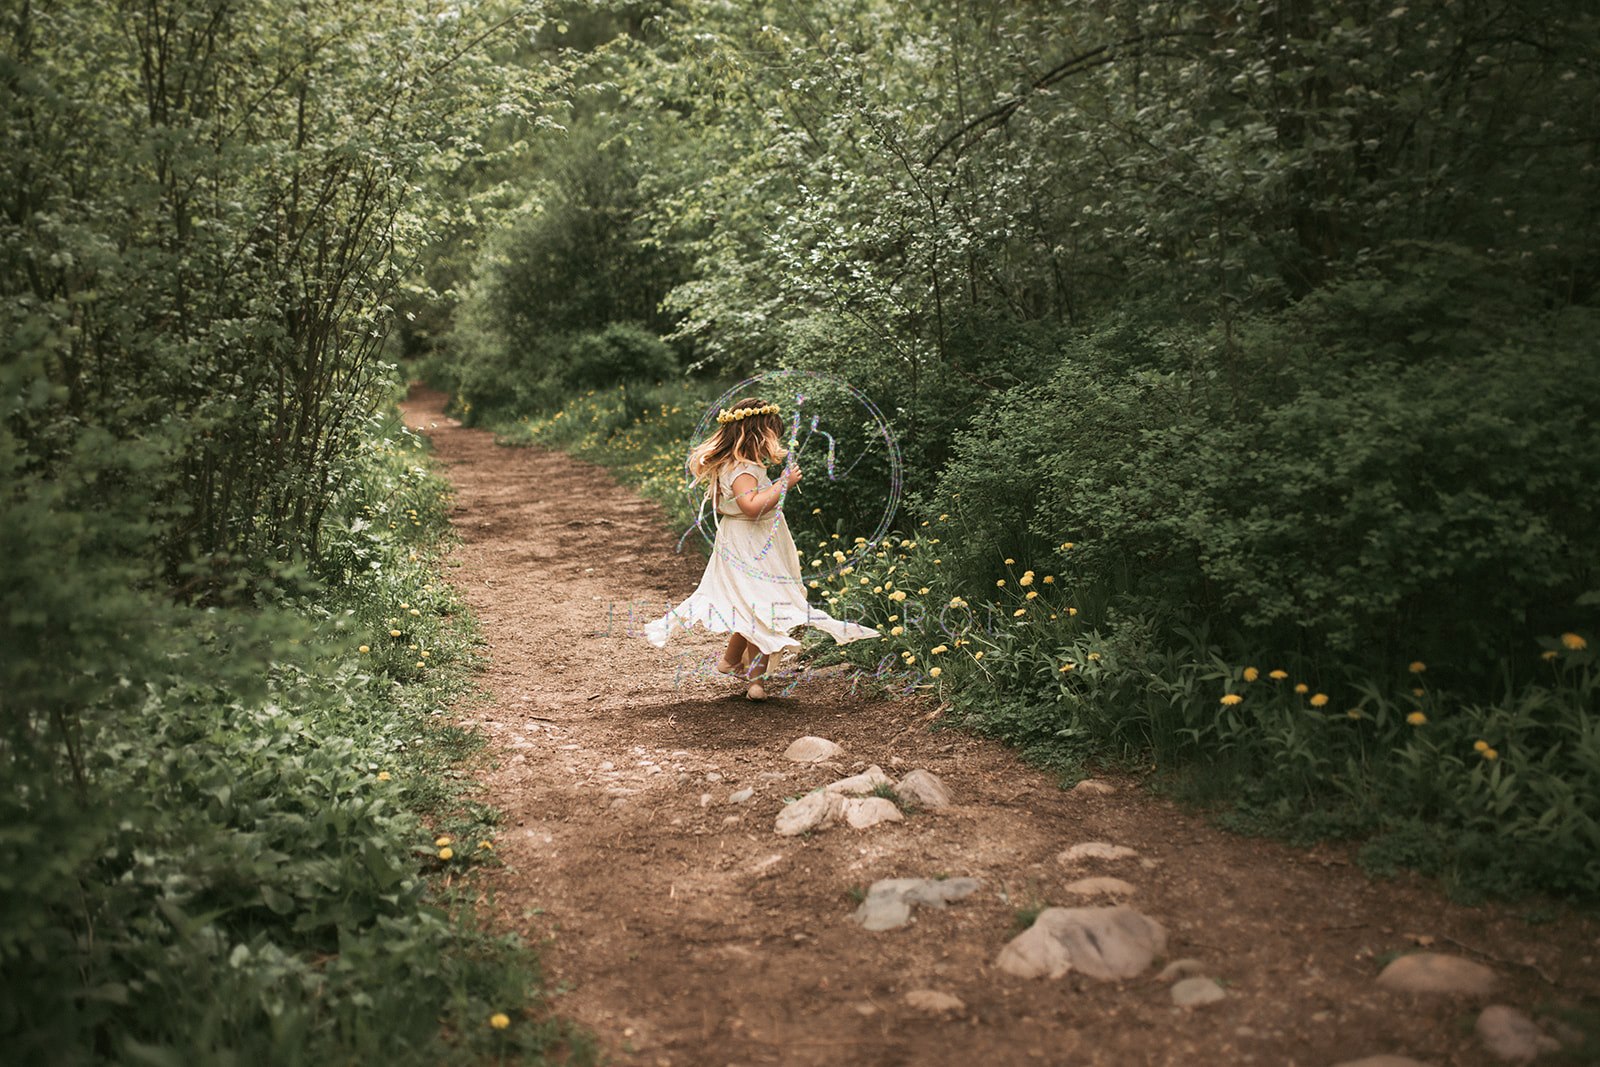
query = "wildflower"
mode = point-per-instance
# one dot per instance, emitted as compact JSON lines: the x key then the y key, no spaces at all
{"x":420,"y":663}
{"x":443,"y":840}
{"x":861,"y":540}
{"x":1491,"y":754}
{"x":957,"y":602}
{"x":403,"y":607}
{"x":364,"y":649}
{"x":924,"y":522}
{"x":838,"y":556}
{"x":816,"y":563}
{"x":499,"y":1020}
{"x":894,"y":618}
{"x":425,"y":653}
{"x":394,"y":633}
{"x":383,"y":776}
{"x":812,"y":583}
{"x":1277,"y":676}
{"x":897,"y":631}
{"x":1031,"y":594}
{"x":1548,"y":656}
{"x":1232,"y":699}
{"x":1019,"y":613}
{"x":1000,"y":583}
{"x":1066,"y":545}
{"x":1068,"y":667}
{"x":1009,"y":561}
{"x":934,"y":672}
{"x":446,"y":853}
{"x":936,"y":649}
{"x":909,"y":658}
{"x":1071,"y":612}
{"x":1354,"y":713}
{"x":944,"y":517}
{"x":1026,"y":579}
{"x":486,"y":845}
{"x":1251,"y":674}
{"x":889,"y":585}
{"x":1417,"y":692}
{"x":1416,"y":718}
{"x":937,"y":562}
{"x":923,"y":591}
{"x":977,"y":655}
{"x":1320,"y":700}
{"x":1052,"y":614}
{"x":1480,"y":746}
{"x":1573,"y":643}
{"x":816,"y":511}
{"x":414,"y":611}
{"x":898,"y":595}
{"x":1302,"y":688}
{"x":1417,"y":667}
{"x":1094,"y":657}
{"x":875,"y":589}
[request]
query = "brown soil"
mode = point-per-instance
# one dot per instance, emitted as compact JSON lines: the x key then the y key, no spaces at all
{"x":683,"y":931}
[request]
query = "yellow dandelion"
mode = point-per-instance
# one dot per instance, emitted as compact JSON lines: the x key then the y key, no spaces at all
{"x":1049,"y":579}
{"x":934,"y":672}
{"x":1480,"y":746}
{"x":1277,"y":676}
{"x":1232,"y":699}
{"x":957,"y":602}
{"x":383,"y":776}
{"x":894,"y":618}
{"x":1251,"y":674}
{"x":816,"y":511}
{"x":1302,"y":688}
{"x":364,"y":649}
{"x":999,"y":583}
{"x":403,"y":607}
{"x":977,"y":655}
{"x":487,"y":845}
{"x":394,"y":633}
{"x":923,"y":591}
{"x":443,"y":840}
{"x":1019,"y":612}
{"x":1320,"y":700}
{"x":425,"y":653}
{"x":1094,"y":657}
{"x":414,"y":611}
{"x":875,"y":589}
{"x":420,"y":663}
{"x":1417,"y":667}
{"x":1573,"y":643}
{"x":1491,"y":754}
{"x":898,"y":595}
{"x":910,"y":659}
{"x":1548,"y":655}
{"x":1026,"y":579}
{"x":936,"y":649}
{"x":1066,"y":545}
{"x":1031,"y":594}
{"x":896,"y":631}
{"x":1052,"y":614}
{"x":1009,"y":561}
{"x":1354,"y":713}
{"x":499,"y":1020}
{"x":1417,"y":692}
{"x":1416,"y":718}
{"x":1067,"y":667}
{"x":446,"y":853}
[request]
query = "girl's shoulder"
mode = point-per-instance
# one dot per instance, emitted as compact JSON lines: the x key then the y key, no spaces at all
{"x":733,"y":469}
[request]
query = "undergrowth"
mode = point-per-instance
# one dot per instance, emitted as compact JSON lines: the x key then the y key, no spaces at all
{"x":259,"y":857}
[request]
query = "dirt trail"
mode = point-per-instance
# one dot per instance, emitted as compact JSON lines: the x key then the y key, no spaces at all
{"x":689,"y":934}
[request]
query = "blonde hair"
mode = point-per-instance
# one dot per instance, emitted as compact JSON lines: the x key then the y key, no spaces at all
{"x":753,"y":439}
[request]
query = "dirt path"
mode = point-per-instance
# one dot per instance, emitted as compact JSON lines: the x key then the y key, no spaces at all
{"x":688,"y":933}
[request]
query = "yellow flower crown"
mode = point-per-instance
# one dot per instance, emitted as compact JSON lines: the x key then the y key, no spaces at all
{"x":744,"y":413}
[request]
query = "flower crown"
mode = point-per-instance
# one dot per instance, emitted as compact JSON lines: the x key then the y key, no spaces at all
{"x":744,"y":413}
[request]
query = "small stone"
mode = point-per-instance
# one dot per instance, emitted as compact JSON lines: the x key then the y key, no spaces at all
{"x":1384,"y":1060}
{"x":705,"y":800}
{"x":866,"y":812}
{"x":934,"y":1002}
{"x":1196,"y":992}
{"x":741,"y":796}
{"x":1103,"y":886}
{"x":887,"y":905}
{"x":1094,"y":850}
{"x":810,"y":812}
{"x":1112,"y":942}
{"x":864,"y":1008}
{"x":812,"y":750}
{"x":1093,"y":787}
{"x":1185,"y":968}
{"x":713,"y":777}
{"x":925,"y":789}
{"x":861,"y":784}
{"x":1511,"y":1036}
{"x":1434,"y":972}
{"x":730,"y":820}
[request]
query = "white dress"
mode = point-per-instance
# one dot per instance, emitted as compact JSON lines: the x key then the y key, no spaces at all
{"x":753,"y":583}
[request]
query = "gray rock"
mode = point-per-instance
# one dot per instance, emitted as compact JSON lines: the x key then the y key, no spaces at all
{"x":865,"y":812}
{"x":1102,"y":886}
{"x":1093,"y":787}
{"x":861,"y":784}
{"x":925,"y":788}
{"x":888,"y":902}
{"x":1434,"y":972}
{"x":741,"y":796}
{"x":1511,"y":1036}
{"x":811,"y":812}
{"x":812,"y":750}
{"x":1196,"y":992}
{"x":1114,"y":942}
{"x":1094,"y":850}
{"x":1177,"y":969}
{"x":934,"y":1002}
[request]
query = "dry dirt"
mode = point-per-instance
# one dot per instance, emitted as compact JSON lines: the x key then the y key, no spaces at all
{"x":687,"y":933}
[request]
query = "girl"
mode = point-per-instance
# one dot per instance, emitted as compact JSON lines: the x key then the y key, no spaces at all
{"x":752,"y":588}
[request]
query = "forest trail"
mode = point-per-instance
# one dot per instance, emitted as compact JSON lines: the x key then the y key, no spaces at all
{"x":687,"y":933}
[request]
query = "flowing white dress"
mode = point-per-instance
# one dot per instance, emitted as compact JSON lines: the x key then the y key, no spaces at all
{"x":753,"y":583}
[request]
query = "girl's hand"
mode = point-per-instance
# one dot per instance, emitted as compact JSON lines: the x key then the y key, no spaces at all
{"x":792,"y":476}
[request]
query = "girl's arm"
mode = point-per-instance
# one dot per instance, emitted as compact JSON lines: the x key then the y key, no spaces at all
{"x":754,"y":503}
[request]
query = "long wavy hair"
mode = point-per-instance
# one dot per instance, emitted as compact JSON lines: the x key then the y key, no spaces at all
{"x":753,"y":439}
